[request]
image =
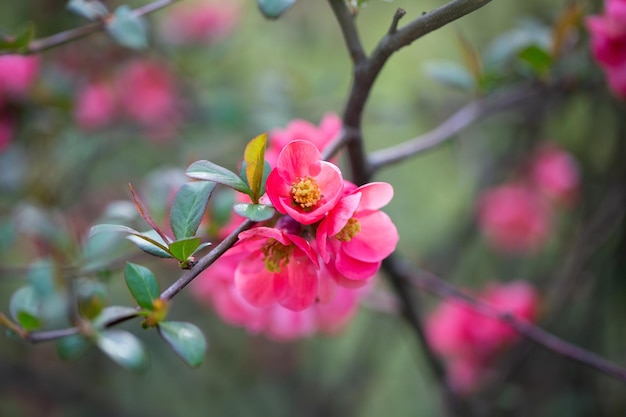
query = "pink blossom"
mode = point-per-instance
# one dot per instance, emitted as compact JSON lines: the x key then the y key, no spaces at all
{"x":356,"y":236}
{"x":279,"y":267}
{"x":95,"y":106}
{"x":470,"y":341}
{"x":329,"y":129}
{"x":303,"y":185}
{"x":555,"y":173}
{"x":608,"y":43}
{"x":513,"y":218}
{"x":17,"y":74}
{"x":200,"y":21}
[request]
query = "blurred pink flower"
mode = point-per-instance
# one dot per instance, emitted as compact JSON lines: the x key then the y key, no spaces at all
{"x":470,"y":341}
{"x":17,"y":74}
{"x":147,"y":94}
{"x":555,"y":173}
{"x":302,"y":185}
{"x":95,"y":105}
{"x":513,"y":218}
{"x":201,"y":21}
{"x":329,"y":129}
{"x":608,"y":43}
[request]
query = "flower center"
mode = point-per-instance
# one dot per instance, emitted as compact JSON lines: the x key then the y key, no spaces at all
{"x":306,"y":193}
{"x":276,"y":255}
{"x":350,"y":230}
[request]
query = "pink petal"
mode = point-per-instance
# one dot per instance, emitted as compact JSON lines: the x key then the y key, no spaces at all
{"x":376,"y":240}
{"x":355,"y":269}
{"x":375,"y":195}
{"x":298,"y":159}
{"x":277,"y":190}
{"x":254,"y":282}
{"x":301,"y":275}
{"x":302,"y":244}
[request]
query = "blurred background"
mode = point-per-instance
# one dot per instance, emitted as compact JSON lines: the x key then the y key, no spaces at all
{"x":81,"y":121}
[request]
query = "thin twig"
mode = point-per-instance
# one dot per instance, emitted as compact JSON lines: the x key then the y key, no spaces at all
{"x":396,"y":20}
{"x":40,"y":45}
{"x":432,"y":283}
{"x":467,"y":115}
{"x":350,"y":35}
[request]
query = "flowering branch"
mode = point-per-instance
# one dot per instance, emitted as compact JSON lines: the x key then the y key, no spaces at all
{"x":431,"y":283}
{"x":43,"y":44}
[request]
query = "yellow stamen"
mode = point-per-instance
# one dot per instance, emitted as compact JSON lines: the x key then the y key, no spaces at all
{"x":350,"y":230}
{"x":276,"y":255}
{"x":306,"y":193}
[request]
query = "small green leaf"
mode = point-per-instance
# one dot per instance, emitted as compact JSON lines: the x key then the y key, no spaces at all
{"x":148,"y":247}
{"x":71,"y":347}
{"x":152,"y":238}
{"x":254,"y":212}
{"x":450,"y":75}
{"x":202,"y":246}
{"x":123,"y":348}
{"x":20,"y":42}
{"x":537,"y":58}
{"x":189,"y":207}
{"x":208,"y":171}
{"x":91,"y":297}
{"x":128,"y":29}
{"x":186,"y":340}
{"x":142,"y":284}
{"x":113,"y":314}
{"x":24,"y":308}
{"x":254,"y":157}
{"x":184,"y":248}
{"x":272,"y":9}
{"x":89,"y":9}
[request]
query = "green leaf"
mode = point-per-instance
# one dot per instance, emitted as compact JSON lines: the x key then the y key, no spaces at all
{"x":41,"y":278}
{"x":208,"y":171}
{"x":149,"y":248}
{"x":152,"y":238}
{"x":272,"y":9}
{"x":189,"y":207}
{"x":142,"y":284}
{"x":71,"y":347}
{"x":123,"y":348}
{"x":20,"y":42}
{"x":254,"y":158}
{"x":202,"y":246}
{"x":90,"y":9}
{"x":186,"y":340}
{"x":91,"y":297}
{"x":184,"y":248}
{"x":537,"y":58}
{"x":128,"y":29}
{"x":254,"y":212}
{"x":24,"y":308}
{"x":145,"y":214}
{"x":113,"y":314}
{"x":450,"y":75}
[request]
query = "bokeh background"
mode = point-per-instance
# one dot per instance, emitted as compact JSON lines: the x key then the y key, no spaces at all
{"x":60,"y":171}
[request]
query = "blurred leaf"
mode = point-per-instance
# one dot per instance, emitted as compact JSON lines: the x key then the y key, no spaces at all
{"x":128,"y":29}
{"x":450,"y":74}
{"x":20,"y":42}
{"x":123,"y":348}
{"x":41,"y":277}
{"x":272,"y":9}
{"x":90,"y":9}
{"x":145,"y":214}
{"x":184,"y":248}
{"x":71,"y":347}
{"x":537,"y":58}
{"x":91,"y":297}
{"x":24,"y":308}
{"x":254,"y":212}
{"x":471,"y":58}
{"x":221,"y":206}
{"x":208,"y":171}
{"x":142,"y":284}
{"x":99,"y":250}
{"x":508,"y":44}
{"x":186,"y":339}
{"x":254,"y":158}
{"x":135,"y":237}
{"x":189,"y":207}
{"x":112,"y":314}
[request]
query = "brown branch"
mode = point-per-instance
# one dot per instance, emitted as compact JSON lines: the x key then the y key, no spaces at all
{"x":346,"y":23}
{"x":43,"y":44}
{"x":435,"y":285}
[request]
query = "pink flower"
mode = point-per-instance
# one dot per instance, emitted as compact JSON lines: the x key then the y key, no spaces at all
{"x":147,"y":95}
{"x":608,"y":43}
{"x":356,"y":236}
{"x":95,"y":106}
{"x":513,"y":218}
{"x":17,"y":74}
{"x":279,"y":267}
{"x":303,"y":185}
{"x":200,"y":21}
{"x":555,"y":173}
{"x":329,"y":129}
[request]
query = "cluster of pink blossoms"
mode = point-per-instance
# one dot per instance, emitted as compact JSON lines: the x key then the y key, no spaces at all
{"x":517,"y":217}
{"x":17,"y":75}
{"x":305,"y":271}
{"x":143,"y":92}
{"x":608,"y":43}
{"x":469,"y":341}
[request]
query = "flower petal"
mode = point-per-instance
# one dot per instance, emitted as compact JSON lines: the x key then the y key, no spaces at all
{"x":375,"y":195}
{"x":376,"y":240}
{"x":301,"y":275}
{"x":254,"y":282}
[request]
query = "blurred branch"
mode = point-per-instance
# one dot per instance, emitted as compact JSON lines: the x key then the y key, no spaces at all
{"x":167,"y":295}
{"x":40,"y":45}
{"x":346,"y":22}
{"x":464,"y":117}
{"x":432,"y":283}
